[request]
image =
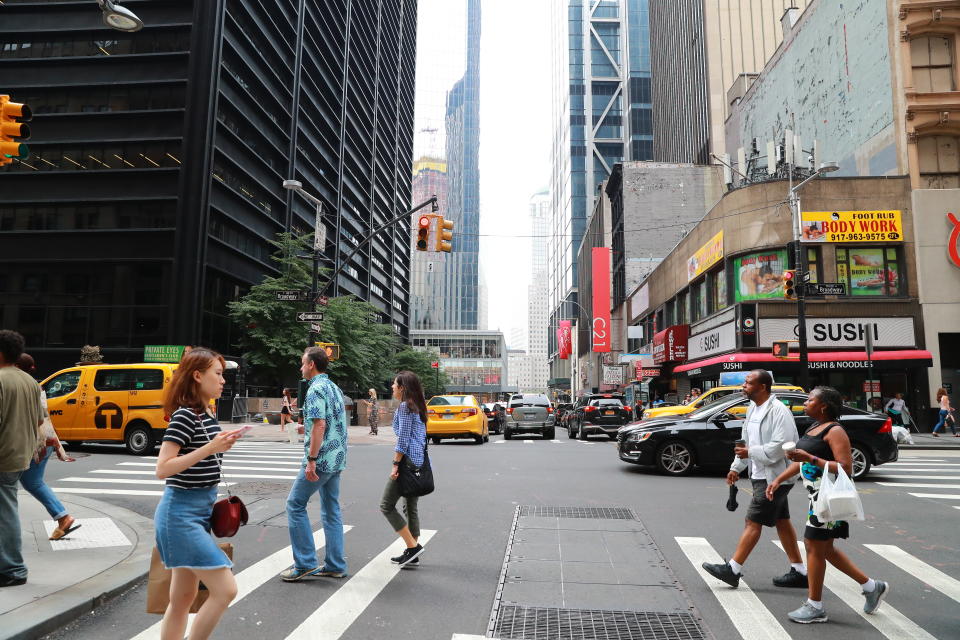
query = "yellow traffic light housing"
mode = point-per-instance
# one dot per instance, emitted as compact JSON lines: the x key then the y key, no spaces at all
{"x":444,"y":234}
{"x":332,"y":349}
{"x":12,"y":117}
{"x":790,"y":285}
{"x":424,"y":222}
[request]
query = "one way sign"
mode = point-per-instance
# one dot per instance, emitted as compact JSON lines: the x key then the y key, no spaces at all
{"x":310,"y":316}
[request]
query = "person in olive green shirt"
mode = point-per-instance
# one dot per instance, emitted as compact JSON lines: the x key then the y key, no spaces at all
{"x":21,"y":414}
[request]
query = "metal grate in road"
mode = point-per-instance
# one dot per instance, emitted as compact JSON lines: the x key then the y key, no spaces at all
{"x":602,"y":513}
{"x":541,"y":623}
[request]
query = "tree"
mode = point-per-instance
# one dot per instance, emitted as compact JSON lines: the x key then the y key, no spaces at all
{"x":418,"y":362}
{"x":366,"y":345}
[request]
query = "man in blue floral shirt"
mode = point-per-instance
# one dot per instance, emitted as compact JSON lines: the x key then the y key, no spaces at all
{"x":325,"y":445}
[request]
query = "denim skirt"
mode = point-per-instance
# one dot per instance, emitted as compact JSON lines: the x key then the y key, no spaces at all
{"x":182,"y":522}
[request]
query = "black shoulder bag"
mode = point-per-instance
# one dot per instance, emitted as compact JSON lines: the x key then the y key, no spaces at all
{"x":415,"y":481}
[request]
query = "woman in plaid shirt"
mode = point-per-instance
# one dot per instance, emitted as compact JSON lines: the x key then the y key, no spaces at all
{"x":410,"y":427}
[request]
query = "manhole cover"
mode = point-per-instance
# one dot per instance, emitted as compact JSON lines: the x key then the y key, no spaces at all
{"x":603,"y":513}
{"x":261,"y":488}
{"x":542,"y":623}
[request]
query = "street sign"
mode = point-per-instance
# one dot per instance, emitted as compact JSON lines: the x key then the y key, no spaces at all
{"x":310,"y":316}
{"x":826,"y":289}
{"x":314,"y":327}
{"x":291,"y":295}
{"x":319,"y":231}
{"x":806,"y":277}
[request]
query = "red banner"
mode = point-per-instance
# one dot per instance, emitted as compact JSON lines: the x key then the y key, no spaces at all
{"x":566,"y":344}
{"x":601,"y":299}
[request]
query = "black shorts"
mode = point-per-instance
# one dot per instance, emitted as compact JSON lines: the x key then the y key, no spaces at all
{"x":285,"y":411}
{"x":767,"y":512}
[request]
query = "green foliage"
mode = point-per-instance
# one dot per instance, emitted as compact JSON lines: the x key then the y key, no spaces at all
{"x":409,"y":359}
{"x":366,"y":346}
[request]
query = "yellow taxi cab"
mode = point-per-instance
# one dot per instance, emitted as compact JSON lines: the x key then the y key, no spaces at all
{"x":706,"y":398}
{"x":456,"y":416}
{"x":110,"y":403}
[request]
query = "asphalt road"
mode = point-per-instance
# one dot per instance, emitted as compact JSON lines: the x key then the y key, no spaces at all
{"x":479,"y":488}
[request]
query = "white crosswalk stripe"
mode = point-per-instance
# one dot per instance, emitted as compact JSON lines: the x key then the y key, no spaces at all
{"x":332,"y":618}
{"x":919,"y":569}
{"x":749,"y":616}
{"x":887,"y":476}
{"x":111,"y":492}
{"x":942,"y":496}
{"x":887,"y":620}
{"x":919,"y":485}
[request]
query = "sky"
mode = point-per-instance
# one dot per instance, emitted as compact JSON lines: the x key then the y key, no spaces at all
{"x":515,"y":113}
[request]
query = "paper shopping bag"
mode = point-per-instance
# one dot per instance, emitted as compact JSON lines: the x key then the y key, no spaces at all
{"x":158,"y":584}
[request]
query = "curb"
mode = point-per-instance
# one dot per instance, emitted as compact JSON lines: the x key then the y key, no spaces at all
{"x":52,"y":612}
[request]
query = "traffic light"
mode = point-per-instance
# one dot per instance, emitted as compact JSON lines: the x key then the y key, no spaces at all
{"x":444,"y":234}
{"x":423,"y":232}
{"x":332,"y":349}
{"x":781,"y":348}
{"x":12,"y":117}
{"x":790,"y":285}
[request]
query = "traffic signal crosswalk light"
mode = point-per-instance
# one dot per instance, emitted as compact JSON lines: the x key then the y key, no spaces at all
{"x":13,"y":115}
{"x":444,"y":234}
{"x":423,"y":232}
{"x":332,"y":349}
{"x":790,"y":285}
{"x":781,"y":348}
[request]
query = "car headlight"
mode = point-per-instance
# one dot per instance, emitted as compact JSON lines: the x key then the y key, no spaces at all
{"x":639,"y":436}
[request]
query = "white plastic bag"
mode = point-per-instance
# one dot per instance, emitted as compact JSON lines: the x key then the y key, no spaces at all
{"x":821,"y":507}
{"x":902,"y":435}
{"x":843,"y":501}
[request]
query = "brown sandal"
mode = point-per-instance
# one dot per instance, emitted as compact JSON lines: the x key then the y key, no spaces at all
{"x":63,"y":531}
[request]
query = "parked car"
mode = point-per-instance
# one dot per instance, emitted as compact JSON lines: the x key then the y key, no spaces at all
{"x":496,"y":416}
{"x":602,"y":413}
{"x":704,"y":438}
{"x":529,"y":413}
{"x":561,"y":414}
{"x":456,"y":417}
{"x":708,"y":396}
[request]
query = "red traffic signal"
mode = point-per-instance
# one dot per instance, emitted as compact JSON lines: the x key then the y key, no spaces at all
{"x":790,"y":284}
{"x":435,"y":365}
{"x":423,"y":232}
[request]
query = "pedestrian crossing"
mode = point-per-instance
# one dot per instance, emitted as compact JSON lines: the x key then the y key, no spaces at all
{"x":554,"y":441}
{"x":916,"y":472}
{"x":754,"y":620}
{"x":246,"y":461}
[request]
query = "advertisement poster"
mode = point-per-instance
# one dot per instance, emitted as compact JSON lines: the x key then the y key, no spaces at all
{"x":601,"y":299}
{"x":564,"y":346}
{"x":867,"y":275}
{"x":705,"y":257}
{"x":759,"y":275}
{"x":851,"y":226}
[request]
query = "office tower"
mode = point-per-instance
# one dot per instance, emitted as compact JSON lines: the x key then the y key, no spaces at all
{"x":537,"y":315}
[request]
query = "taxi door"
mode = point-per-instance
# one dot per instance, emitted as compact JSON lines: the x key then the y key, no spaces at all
{"x":104,"y":404}
{"x":63,"y":394}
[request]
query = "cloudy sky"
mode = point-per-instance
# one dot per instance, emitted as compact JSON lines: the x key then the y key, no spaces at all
{"x":515,"y":70}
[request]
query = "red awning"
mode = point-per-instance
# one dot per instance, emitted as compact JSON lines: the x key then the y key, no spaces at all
{"x":813,"y":356}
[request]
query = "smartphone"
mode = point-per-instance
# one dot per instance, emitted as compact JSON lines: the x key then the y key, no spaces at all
{"x":242,"y":430}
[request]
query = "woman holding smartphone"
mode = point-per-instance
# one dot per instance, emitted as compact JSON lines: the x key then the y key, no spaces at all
{"x":189,"y":460}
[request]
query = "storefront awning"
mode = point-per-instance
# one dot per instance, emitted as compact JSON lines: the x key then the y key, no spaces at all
{"x":819,"y":360}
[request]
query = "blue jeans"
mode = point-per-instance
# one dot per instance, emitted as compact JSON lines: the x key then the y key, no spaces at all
{"x":298,"y":522}
{"x":32,"y":481}
{"x":11,"y":545}
{"x":943,"y":419}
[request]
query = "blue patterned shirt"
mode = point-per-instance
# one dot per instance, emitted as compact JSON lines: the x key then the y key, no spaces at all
{"x":325,"y":402}
{"x":411,"y":434}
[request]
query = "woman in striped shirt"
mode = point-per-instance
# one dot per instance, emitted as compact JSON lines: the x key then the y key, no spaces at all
{"x":189,"y":461}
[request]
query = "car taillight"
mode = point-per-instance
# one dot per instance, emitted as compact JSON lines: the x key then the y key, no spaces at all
{"x":470,"y":412}
{"x":887,"y":426}
{"x":166,"y":418}
{"x":549,"y":409}
{"x":589,"y":409}
{"x":510,"y":410}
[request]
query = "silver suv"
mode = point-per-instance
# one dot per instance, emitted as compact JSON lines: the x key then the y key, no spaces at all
{"x":529,"y":413}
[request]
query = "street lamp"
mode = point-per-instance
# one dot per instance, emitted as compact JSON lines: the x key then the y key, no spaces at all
{"x":801,"y":267}
{"x":119,"y":18}
{"x":319,"y":240}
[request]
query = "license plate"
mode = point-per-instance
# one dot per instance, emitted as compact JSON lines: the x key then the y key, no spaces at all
{"x":449,"y":416}
{"x":609,"y":413}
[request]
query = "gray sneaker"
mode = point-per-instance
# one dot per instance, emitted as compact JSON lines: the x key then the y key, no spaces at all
{"x":875,"y":597}
{"x":807,"y":614}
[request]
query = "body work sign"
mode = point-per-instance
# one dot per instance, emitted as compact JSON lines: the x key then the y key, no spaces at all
{"x":851,"y":226}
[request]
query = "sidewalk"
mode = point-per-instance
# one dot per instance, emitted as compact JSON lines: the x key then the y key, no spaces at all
{"x":272,"y":433}
{"x":66,"y":579}
{"x":926,"y":441}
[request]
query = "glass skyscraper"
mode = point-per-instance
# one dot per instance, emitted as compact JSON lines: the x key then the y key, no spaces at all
{"x":602,"y":115}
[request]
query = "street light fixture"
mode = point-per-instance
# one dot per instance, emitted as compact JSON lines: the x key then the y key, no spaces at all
{"x":801,"y":267}
{"x":119,"y":18}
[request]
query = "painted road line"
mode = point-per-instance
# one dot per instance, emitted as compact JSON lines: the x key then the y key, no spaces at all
{"x":886,"y":476}
{"x":112,"y":492}
{"x":249,"y":579}
{"x":884,"y":471}
{"x":557,"y":441}
{"x":119,"y":481}
{"x":225,"y":475}
{"x":332,"y":618}
{"x":528,"y":442}
{"x":230,"y":461}
{"x":886,"y":619}
{"x":228,"y":466}
{"x":499,"y":441}
{"x":919,"y":569}
{"x":919,"y":485}
{"x":749,"y":616}
{"x":942,"y":496}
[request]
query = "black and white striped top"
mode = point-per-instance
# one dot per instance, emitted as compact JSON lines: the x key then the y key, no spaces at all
{"x":183,"y":430}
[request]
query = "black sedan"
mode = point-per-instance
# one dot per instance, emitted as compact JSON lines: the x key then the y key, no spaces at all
{"x":704,"y":438}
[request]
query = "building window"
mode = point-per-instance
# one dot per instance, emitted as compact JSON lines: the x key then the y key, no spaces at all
{"x":939,"y":161}
{"x":718,"y":290}
{"x":698,"y":301}
{"x":683,"y":308}
{"x":813,"y":263}
{"x":932,"y":60}
{"x":870,"y":271}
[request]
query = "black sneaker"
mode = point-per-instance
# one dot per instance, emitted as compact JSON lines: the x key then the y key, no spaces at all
{"x":408,"y":555}
{"x":791,"y":579}
{"x":10,"y":581}
{"x":723,"y":572}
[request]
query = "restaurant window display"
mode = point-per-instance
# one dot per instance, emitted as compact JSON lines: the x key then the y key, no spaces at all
{"x":718,"y":290}
{"x":869,"y":271}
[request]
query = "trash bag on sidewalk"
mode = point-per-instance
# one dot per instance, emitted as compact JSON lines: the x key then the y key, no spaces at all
{"x":902,"y":435}
{"x":158,"y":584}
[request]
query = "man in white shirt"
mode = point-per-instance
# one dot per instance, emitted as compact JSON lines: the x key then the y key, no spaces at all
{"x":768,"y":425}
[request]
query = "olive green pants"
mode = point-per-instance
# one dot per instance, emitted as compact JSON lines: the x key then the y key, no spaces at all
{"x":388,"y":507}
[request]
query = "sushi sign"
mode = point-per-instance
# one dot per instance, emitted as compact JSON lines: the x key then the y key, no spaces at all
{"x":851,"y":226}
